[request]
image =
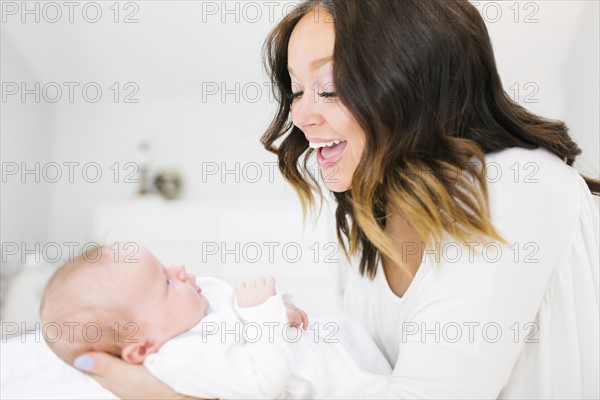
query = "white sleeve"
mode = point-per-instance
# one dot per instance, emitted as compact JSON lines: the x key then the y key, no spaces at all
{"x":472,"y":316}
{"x":245,"y":357}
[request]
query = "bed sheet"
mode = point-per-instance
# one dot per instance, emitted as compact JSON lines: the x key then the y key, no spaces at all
{"x":30,"y":370}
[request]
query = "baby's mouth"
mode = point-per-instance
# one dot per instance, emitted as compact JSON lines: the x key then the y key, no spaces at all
{"x":198,"y":290}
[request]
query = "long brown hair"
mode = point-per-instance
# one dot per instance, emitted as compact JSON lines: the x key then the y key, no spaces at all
{"x":421,"y":80}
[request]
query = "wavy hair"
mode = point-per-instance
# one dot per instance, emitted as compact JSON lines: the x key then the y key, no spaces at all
{"x":420,"y":78}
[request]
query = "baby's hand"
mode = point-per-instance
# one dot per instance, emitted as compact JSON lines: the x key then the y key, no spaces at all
{"x":296,"y":316}
{"x":254,"y":292}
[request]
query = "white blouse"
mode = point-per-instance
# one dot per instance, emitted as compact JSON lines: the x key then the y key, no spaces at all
{"x":488,"y":320}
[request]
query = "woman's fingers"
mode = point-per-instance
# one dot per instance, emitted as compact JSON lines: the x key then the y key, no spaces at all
{"x":126,"y":381}
{"x":98,"y":365}
{"x":95,"y":363}
{"x":304,"y":318}
{"x":297,"y":317}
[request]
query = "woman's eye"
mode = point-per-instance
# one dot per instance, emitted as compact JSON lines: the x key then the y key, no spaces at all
{"x":328,"y":94}
{"x":293,"y":96}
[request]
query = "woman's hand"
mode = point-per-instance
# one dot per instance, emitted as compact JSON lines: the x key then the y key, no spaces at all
{"x":126,"y":381}
{"x":296,"y":316}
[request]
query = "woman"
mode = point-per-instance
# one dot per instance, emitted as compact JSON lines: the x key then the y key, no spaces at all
{"x":473,"y":284}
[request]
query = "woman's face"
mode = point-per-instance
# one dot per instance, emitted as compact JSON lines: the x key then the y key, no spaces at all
{"x":327,"y":124}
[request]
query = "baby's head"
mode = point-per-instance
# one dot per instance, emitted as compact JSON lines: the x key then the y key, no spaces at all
{"x":120,"y":303}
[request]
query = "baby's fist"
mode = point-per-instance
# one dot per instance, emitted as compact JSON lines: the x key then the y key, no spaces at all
{"x":254,"y":292}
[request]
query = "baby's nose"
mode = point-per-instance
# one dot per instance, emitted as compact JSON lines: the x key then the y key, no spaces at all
{"x":181,"y":274}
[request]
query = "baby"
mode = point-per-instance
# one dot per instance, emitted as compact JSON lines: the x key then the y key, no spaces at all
{"x":201,"y":337}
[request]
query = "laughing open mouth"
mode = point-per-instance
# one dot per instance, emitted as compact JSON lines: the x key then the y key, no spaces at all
{"x":329,"y":152}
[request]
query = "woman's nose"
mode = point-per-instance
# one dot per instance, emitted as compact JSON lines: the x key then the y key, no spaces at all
{"x":305,"y":110}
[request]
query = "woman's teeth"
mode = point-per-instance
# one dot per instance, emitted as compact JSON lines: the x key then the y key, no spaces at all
{"x":314,"y":145}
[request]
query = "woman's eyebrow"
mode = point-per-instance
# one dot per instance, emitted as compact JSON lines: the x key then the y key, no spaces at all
{"x":315,"y":64}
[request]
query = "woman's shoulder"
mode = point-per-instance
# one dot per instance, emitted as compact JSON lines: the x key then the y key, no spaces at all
{"x":532,"y":176}
{"x":533,"y":193}
{"x":533,"y":169}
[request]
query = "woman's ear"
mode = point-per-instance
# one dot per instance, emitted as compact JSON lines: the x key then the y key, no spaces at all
{"x":135,"y":353}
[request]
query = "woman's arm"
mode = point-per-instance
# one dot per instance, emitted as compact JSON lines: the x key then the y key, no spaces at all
{"x":478,"y":309}
{"x":124,"y":380}
{"x":259,"y":368}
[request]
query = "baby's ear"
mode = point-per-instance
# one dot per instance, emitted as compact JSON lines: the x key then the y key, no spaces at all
{"x":135,"y":353}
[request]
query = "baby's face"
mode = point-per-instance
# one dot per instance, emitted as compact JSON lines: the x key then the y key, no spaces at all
{"x":164,"y":301}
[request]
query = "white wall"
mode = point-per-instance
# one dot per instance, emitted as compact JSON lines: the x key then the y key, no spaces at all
{"x":26,"y":131}
{"x":191,"y":133}
{"x":581,"y":73}
{"x":200,"y":139}
{"x":176,"y":50}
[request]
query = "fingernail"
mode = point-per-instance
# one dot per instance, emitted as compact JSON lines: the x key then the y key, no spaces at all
{"x":84,"y":363}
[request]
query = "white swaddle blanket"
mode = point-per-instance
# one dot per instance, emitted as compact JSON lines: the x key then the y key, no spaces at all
{"x":252,"y":352}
